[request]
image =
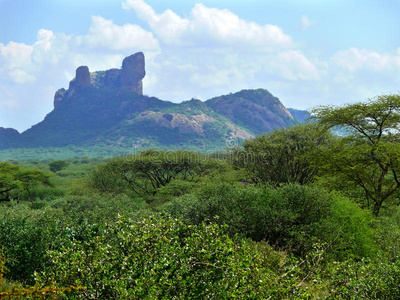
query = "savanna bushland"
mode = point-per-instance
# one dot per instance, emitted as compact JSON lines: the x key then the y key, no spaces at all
{"x":305,"y":212}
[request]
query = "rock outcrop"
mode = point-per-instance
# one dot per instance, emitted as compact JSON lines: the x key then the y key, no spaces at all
{"x":58,"y":96}
{"x":81,"y":80}
{"x":111,"y":77}
{"x":133,"y":71}
{"x":129,"y":78}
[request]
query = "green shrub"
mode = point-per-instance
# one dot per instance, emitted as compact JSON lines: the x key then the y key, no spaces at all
{"x":292,"y":217}
{"x":42,"y":193}
{"x":26,"y":235}
{"x":58,"y":165}
{"x":364,"y":280}
{"x":162,"y":258}
{"x":97,"y":208}
{"x":388,"y":233}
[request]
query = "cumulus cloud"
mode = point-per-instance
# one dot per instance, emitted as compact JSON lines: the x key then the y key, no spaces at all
{"x":104,"y":33}
{"x":364,"y":73}
{"x":210,"y":26}
{"x":355,"y":59}
{"x":293,"y":65}
{"x":15,"y":58}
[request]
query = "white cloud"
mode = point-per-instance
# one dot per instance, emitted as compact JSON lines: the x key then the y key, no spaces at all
{"x":210,"y":26}
{"x":104,"y":33}
{"x":293,"y":65}
{"x":15,"y":59}
{"x":362,"y":73}
{"x":168,"y":26}
{"x":355,"y":59}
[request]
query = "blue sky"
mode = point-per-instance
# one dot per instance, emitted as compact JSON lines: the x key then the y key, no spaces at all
{"x":307,"y":53}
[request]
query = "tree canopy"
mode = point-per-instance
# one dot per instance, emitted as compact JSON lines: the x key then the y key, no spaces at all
{"x":368,"y":155}
{"x":145,"y":173}
{"x":283,"y":155}
{"x":14,"y":180}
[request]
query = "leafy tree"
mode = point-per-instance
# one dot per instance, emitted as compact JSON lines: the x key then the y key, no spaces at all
{"x":283,"y":155}
{"x":368,"y":156}
{"x":15,"y":180}
{"x":147,"y":172}
{"x":58,"y":165}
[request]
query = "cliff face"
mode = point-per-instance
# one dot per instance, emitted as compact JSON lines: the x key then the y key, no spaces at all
{"x":129,"y":78}
{"x":132,"y":73}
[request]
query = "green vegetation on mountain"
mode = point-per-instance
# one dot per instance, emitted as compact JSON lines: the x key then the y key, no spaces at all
{"x":108,"y":109}
{"x":117,"y":118}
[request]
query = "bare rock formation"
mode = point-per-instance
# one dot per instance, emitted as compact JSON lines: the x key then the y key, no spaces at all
{"x":133,"y":71}
{"x":82,"y":78}
{"x":129,"y":77}
{"x":59,"y":95}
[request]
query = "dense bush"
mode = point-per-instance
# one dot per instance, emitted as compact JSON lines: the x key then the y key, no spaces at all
{"x":162,"y":258}
{"x":58,"y":165}
{"x":363,"y":280}
{"x":97,"y":208}
{"x":26,"y":235}
{"x":292,"y":217}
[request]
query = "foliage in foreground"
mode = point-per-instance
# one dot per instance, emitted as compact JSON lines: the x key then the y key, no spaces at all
{"x":33,"y":292}
{"x":162,"y":258}
{"x":292,"y":217}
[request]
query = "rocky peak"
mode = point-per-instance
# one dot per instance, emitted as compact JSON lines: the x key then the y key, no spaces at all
{"x":133,"y":71}
{"x":129,"y":77}
{"x":82,"y":78}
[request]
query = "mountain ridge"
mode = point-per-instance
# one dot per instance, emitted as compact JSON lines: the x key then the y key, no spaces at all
{"x":108,"y":107}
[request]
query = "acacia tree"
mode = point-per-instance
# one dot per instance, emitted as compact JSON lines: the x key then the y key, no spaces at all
{"x":14,"y":180}
{"x":145,"y":173}
{"x":283,"y":155}
{"x":368,"y":156}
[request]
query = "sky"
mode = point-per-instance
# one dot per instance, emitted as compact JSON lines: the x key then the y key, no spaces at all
{"x":305,"y":52}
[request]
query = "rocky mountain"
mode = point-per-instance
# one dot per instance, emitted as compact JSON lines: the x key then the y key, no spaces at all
{"x":8,"y":137}
{"x":299,"y":115}
{"x":109,"y":108}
